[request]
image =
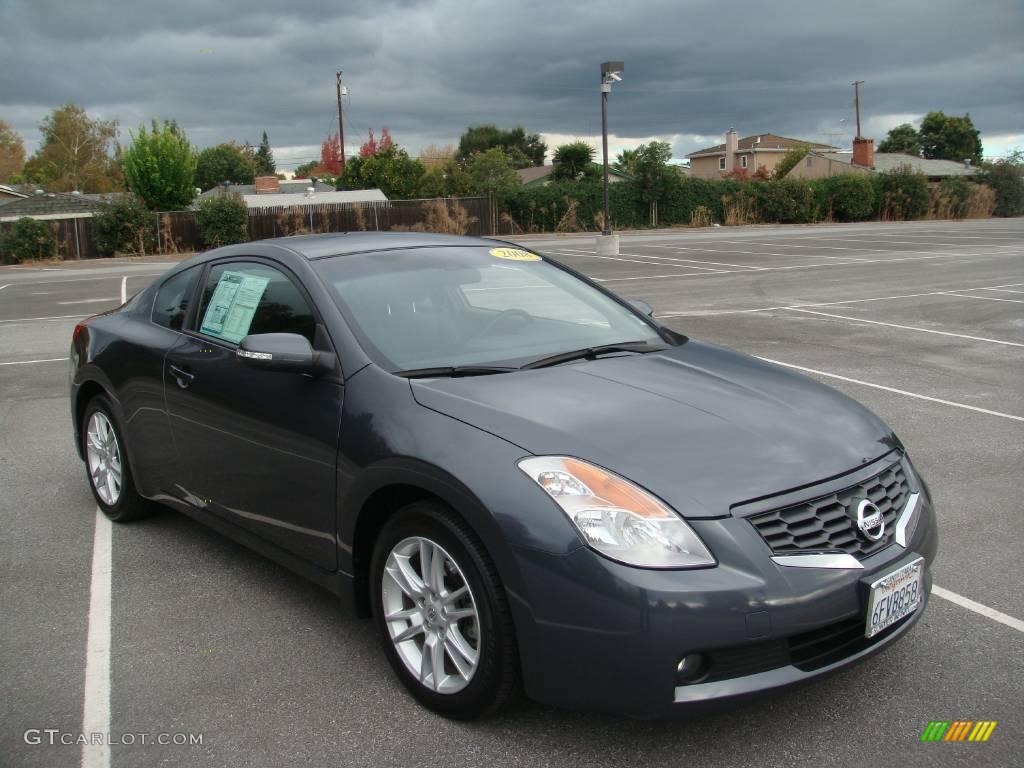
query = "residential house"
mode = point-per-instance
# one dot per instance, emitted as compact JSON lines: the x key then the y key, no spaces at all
{"x":864,"y":159}
{"x":746,"y":155}
{"x":540,"y":175}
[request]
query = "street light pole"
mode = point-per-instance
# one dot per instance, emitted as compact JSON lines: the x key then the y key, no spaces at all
{"x":605,"y":88}
{"x":609,"y":73}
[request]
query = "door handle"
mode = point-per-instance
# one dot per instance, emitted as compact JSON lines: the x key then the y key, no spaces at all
{"x":184,"y":378}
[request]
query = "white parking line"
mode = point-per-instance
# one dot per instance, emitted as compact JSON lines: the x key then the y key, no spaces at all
{"x":4,"y":286}
{"x":54,"y":317}
{"x":713,"y":312}
{"x":983,"y":298}
{"x":30,"y":362}
{"x":124,"y":289}
{"x":907,"y":327}
{"x":96,"y":705}
{"x":983,"y":610}
{"x":893,"y":389}
{"x":89,"y":301}
{"x":567,"y":252}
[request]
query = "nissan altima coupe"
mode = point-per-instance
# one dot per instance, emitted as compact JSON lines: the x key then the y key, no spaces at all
{"x":525,"y":480}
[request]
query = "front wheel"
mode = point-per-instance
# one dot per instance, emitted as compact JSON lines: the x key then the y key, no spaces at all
{"x":442,"y":613}
{"x":106,"y":464}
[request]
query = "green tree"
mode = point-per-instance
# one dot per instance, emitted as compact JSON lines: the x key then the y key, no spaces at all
{"x":159,"y":167}
{"x":264,"y":158}
{"x":522,"y":149}
{"x":572,"y":161}
{"x":224,"y":162}
{"x":1006,"y":177}
{"x":947,"y":137}
{"x":124,"y":226}
{"x":491,"y":174}
{"x":790,"y":160}
{"x":12,"y":152}
{"x":903,"y":138}
{"x":901,"y":194}
{"x":28,"y":239}
{"x":74,"y":154}
{"x":391,"y":171}
{"x":652,"y":171}
{"x":626,"y":161}
{"x":222,"y":220}
{"x":303,"y":171}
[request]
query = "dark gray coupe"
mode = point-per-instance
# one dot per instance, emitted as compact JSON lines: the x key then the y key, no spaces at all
{"x":526,"y":481}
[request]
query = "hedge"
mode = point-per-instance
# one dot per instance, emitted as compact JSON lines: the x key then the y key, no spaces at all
{"x":894,"y":195}
{"x":28,"y":238}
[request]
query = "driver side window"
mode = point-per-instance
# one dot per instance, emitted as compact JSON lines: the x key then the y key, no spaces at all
{"x":241,"y":298}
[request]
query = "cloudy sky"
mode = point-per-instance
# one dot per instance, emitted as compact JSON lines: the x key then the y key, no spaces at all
{"x":230,"y":69}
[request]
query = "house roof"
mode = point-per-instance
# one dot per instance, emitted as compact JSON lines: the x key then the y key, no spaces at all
{"x":320,"y":198}
{"x":294,"y":187}
{"x":762,"y":142}
{"x":11,"y":192}
{"x":51,"y":205}
{"x":890,"y":161}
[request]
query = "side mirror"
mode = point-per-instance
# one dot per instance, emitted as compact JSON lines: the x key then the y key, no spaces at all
{"x":277,"y":352}
{"x":643,"y":306}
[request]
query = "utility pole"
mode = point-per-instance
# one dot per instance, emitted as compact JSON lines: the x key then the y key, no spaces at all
{"x":341,"y":123}
{"x":856,"y":99}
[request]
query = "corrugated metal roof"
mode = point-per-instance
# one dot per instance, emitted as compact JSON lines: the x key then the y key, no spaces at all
{"x":320,"y":198}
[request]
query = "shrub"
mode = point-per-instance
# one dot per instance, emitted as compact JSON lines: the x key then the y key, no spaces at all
{"x":948,"y":199}
{"x":982,"y":202}
{"x":901,"y":194}
{"x":846,"y":197}
{"x":1005,"y":178}
{"x":222,"y":220}
{"x":784,"y":201}
{"x":27,"y":239}
{"x":124,"y":226}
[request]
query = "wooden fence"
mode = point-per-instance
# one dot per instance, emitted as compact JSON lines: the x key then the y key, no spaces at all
{"x":178,"y":232}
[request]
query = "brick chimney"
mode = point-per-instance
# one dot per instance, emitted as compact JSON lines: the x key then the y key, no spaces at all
{"x":864,"y":152}
{"x":266,"y":185}
{"x":732,"y":144}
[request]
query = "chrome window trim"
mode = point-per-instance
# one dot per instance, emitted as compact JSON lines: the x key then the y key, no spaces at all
{"x":819,"y":560}
{"x":905,"y":518}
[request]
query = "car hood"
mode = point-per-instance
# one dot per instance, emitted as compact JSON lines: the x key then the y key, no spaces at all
{"x":700,"y":426}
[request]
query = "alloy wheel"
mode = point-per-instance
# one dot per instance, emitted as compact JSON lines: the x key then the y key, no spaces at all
{"x":104,"y":457}
{"x":431,"y":615}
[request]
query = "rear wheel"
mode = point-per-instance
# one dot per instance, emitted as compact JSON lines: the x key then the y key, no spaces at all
{"x":106,"y":464}
{"x":442,"y":613}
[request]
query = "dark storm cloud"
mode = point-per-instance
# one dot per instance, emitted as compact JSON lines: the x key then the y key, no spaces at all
{"x":428,"y":69}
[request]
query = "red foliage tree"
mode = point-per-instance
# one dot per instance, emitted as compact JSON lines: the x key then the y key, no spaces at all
{"x":371,"y":146}
{"x":330,"y":156}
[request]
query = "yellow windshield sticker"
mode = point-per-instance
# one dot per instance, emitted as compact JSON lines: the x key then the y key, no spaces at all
{"x":515,"y":254}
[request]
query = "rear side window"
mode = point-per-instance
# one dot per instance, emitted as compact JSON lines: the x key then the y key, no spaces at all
{"x":243,"y":298}
{"x":172,"y":299}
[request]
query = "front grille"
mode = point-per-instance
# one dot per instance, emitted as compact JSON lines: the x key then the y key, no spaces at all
{"x":829,"y":523}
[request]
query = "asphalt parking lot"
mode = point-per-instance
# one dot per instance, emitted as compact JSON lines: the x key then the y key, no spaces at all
{"x":922,"y":322}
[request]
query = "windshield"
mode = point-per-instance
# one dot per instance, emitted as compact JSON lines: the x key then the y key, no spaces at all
{"x":462,"y":306}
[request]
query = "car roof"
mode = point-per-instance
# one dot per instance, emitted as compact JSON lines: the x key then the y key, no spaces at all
{"x":347,"y":243}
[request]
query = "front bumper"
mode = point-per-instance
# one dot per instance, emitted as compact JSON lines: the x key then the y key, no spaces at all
{"x":598,"y":635}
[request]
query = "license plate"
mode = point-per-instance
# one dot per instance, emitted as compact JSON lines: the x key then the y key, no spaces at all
{"x":894,"y":596}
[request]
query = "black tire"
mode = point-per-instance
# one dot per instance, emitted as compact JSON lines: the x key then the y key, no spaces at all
{"x":495,"y":682}
{"x":128,"y":505}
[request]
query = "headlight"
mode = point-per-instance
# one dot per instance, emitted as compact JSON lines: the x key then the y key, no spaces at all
{"x":615,"y":517}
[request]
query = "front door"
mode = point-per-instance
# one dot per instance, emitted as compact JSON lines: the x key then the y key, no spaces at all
{"x":259,"y":447}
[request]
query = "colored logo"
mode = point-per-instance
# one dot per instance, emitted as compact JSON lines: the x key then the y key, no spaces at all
{"x":870,"y":520}
{"x":958,"y":730}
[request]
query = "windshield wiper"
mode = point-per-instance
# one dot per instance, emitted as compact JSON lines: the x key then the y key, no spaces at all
{"x":453,"y":371}
{"x":590,"y":353}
